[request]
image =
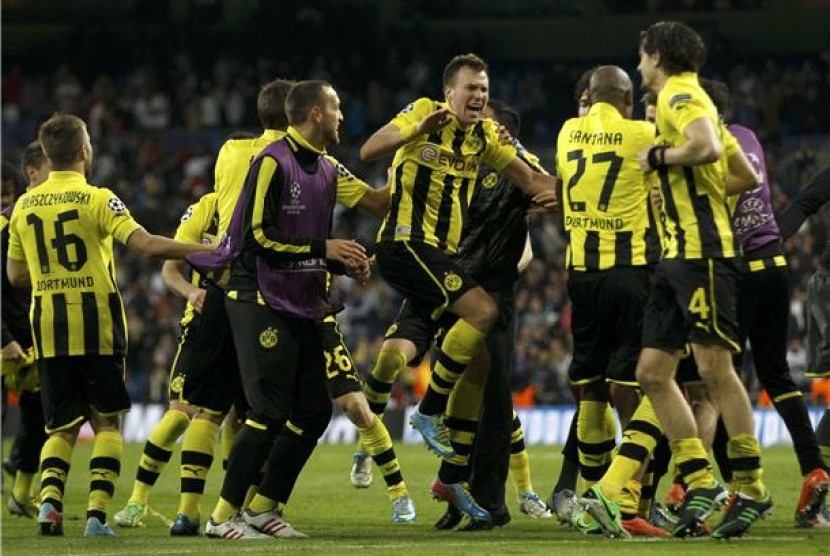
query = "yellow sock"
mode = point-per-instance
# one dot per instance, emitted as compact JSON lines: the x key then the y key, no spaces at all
{"x":55,"y":457}
{"x":639,"y":439}
{"x":157,"y":452}
{"x":262,"y":504}
{"x":197,"y":457}
{"x":520,"y":471}
{"x":378,"y":386}
{"x":692,"y":462}
{"x":630,"y":499}
{"x":223,"y":511}
{"x":376,"y":441}
{"x":249,"y":495}
{"x":744,"y":455}
{"x":104,"y":468}
{"x":228,"y":436}
{"x":23,"y":482}
{"x":463,"y":410}
{"x":596,"y":441}
{"x":462,"y":341}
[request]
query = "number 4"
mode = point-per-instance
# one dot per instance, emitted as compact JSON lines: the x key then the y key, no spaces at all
{"x":698,"y":305}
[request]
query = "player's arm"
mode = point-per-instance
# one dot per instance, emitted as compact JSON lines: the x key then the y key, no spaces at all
{"x":742,"y":176}
{"x":353,"y":192}
{"x":375,"y":201}
{"x":811,"y":198}
{"x":173,"y":276}
{"x":18,"y":273}
{"x":159,"y":247}
{"x":527,"y":255}
{"x":533,"y":184}
{"x":702,"y":146}
{"x":417,"y":119}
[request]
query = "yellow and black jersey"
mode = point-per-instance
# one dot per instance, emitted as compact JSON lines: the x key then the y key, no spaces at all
{"x":232,"y":164}
{"x":698,"y":219}
{"x":434,"y":177}
{"x":605,"y":196}
{"x":198,"y":224}
{"x":64,"y":229}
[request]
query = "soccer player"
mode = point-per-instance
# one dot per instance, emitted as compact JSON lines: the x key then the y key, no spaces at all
{"x":612,"y":242}
{"x":20,"y":375}
{"x":60,"y":243}
{"x":438,"y":148}
{"x":694,"y":288}
{"x":814,"y":195}
{"x":204,"y":383}
{"x":763,"y":315}
{"x":277,"y":295}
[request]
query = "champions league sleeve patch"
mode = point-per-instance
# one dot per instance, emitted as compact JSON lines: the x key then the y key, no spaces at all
{"x":679,"y":98}
{"x":409,"y":108}
{"x":117,"y":206}
{"x":187,"y":214}
{"x":343,"y":172}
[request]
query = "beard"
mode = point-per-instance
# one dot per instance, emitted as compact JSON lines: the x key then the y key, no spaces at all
{"x":332,"y":137}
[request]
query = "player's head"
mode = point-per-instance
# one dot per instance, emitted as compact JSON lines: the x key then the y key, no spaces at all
{"x":66,"y":143}
{"x":504,"y":114}
{"x":9,"y":184}
{"x":718,"y":91}
{"x":466,"y":87}
{"x":315,"y":103}
{"x":583,"y":103}
{"x":669,"y":48}
{"x":649,"y":100}
{"x":270,"y":104}
{"x":611,"y":84}
{"x":34,"y":164}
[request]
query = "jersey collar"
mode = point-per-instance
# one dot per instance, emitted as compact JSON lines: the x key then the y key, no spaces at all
{"x":604,"y":109}
{"x":300,"y":140}
{"x":66,"y":175}
{"x":272,"y":135}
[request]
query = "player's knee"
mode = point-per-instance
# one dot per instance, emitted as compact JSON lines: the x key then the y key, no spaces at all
{"x":391,"y":361}
{"x":649,"y":377}
{"x":485,"y":314}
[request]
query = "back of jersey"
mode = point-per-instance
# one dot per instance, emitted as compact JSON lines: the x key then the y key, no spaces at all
{"x":605,"y":196}
{"x":64,"y":229}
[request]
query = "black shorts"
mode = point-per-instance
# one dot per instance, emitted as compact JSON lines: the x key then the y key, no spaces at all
{"x":71,"y":385}
{"x":693,"y":301}
{"x":281,"y":362}
{"x":687,"y":369}
{"x":818,"y":324}
{"x":606,"y":322}
{"x":417,"y":328}
{"x":424,"y":275}
{"x":205,"y":372}
{"x":340,"y":368}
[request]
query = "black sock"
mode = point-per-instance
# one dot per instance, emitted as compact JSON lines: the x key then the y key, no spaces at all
{"x":249,"y":451}
{"x":794,"y":413}
{"x":570,"y":460}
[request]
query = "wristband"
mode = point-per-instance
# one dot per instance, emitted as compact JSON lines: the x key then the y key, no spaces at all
{"x":654,"y":152}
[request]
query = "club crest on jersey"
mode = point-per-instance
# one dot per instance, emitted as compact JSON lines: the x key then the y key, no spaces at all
{"x":269,"y":337}
{"x":473,"y":142}
{"x":453,"y":281}
{"x":490,"y":180}
{"x":177,"y":384}
{"x":117,"y":206}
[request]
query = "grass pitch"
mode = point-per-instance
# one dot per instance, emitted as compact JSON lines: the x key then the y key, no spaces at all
{"x":340,"y":519}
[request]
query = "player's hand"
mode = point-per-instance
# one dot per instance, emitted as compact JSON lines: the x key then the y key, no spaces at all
{"x":345,"y":251}
{"x":435,"y":121}
{"x":504,"y":136}
{"x":197,"y":299}
{"x":360,"y":271}
{"x":13,"y":351}
{"x":546,"y":200}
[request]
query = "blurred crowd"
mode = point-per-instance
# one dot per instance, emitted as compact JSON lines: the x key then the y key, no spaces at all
{"x":157,"y":126}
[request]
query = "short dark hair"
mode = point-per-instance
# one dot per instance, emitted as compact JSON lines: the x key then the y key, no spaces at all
{"x":681,"y":48}
{"x":62,"y":136}
{"x":649,"y":98}
{"x":506,"y":115}
{"x":11,"y":179}
{"x":302,"y":97}
{"x":270,"y":104}
{"x":582,"y":83}
{"x":33,"y":156}
{"x":718,"y":91}
{"x":470,"y":60}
